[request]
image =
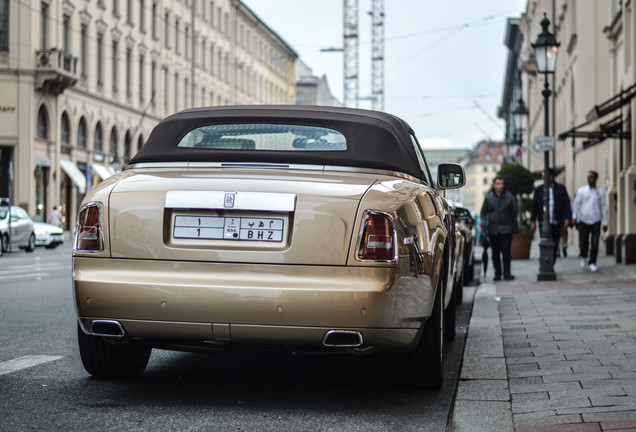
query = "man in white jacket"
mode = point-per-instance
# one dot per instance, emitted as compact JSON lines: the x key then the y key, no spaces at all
{"x":589,"y":209}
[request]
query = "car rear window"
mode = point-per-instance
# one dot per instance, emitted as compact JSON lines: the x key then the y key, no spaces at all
{"x":278,"y":137}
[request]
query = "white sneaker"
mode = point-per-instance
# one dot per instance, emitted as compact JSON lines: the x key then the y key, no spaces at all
{"x":583,"y":262}
{"x":593,"y":267}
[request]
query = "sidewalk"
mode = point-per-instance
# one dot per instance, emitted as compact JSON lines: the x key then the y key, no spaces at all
{"x":551,"y":356}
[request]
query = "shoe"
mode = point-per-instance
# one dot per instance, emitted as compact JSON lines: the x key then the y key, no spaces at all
{"x":583,"y":262}
{"x":565,"y":252}
{"x":593,"y":267}
{"x":496,"y":278}
{"x":509,"y":277}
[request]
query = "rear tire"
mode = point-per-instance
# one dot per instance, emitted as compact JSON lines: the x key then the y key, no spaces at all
{"x":5,"y":243}
{"x":109,"y":359}
{"x":425,"y":364}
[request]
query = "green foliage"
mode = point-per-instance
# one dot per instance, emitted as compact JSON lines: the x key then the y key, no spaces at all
{"x":517,"y":178}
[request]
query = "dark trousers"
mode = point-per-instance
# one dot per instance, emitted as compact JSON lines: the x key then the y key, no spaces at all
{"x":585,"y":231}
{"x":500,"y":245}
{"x":556,"y":238}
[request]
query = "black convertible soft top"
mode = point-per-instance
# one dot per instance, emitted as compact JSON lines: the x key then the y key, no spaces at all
{"x":374,"y":139}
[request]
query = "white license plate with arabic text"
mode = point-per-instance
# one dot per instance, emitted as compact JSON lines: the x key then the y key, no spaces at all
{"x":228,"y":228}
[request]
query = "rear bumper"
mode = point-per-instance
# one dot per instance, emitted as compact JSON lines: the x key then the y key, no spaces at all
{"x":279,"y":304}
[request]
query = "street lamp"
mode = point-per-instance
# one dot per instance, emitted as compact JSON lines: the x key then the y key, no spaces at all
{"x":520,"y":120}
{"x":545,"y":50}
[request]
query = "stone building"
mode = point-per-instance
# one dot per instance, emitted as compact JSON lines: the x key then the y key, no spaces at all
{"x":83,"y":83}
{"x":481,"y":166}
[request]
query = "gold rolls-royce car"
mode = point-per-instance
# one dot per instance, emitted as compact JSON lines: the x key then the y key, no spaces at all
{"x":305,"y":227}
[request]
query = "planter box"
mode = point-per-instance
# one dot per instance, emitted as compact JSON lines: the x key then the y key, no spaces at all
{"x":520,"y":247}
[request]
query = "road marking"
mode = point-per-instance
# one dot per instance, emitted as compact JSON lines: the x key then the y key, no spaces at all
{"x":23,"y":276}
{"x":15,"y":365}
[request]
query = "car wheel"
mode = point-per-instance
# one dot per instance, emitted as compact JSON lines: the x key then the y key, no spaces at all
{"x":459,"y":287}
{"x":469,"y":273}
{"x":5,"y":243}
{"x":31,"y":246}
{"x":425,"y":364}
{"x":103,"y":358}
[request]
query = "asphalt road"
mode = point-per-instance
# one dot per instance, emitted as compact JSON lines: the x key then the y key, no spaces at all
{"x":43,"y":385}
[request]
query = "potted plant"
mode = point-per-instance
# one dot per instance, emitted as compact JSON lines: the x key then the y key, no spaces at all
{"x":519,"y":181}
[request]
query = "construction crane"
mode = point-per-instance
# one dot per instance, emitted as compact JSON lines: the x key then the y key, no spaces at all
{"x":350,"y":46}
{"x":377,"y":54}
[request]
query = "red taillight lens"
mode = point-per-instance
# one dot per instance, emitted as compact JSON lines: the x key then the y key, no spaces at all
{"x":88,"y":236}
{"x":377,"y":240}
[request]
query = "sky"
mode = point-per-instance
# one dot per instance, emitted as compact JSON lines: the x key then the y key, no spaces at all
{"x":444,"y":60}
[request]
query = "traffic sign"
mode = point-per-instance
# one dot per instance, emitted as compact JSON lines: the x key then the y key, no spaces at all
{"x":543,"y":143}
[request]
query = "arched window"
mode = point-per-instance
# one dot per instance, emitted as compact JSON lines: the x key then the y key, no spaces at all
{"x":42,"y":130}
{"x":65,"y":130}
{"x":81,"y":133}
{"x":127,"y":147}
{"x":112,"y":149}
{"x":140,"y":142}
{"x":98,"y":138}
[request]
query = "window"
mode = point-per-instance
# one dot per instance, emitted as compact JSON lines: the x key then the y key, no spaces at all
{"x":177,"y":24}
{"x":100,"y":58}
{"x":66,"y":23}
{"x":267,"y":137}
{"x":186,"y":91}
{"x":4,"y":25}
{"x":166,"y":28}
{"x":128,"y":72}
{"x":212,"y":13}
{"x":142,"y":15}
{"x":212,"y":59}
{"x":129,"y":12}
{"x":141,"y":77}
{"x":486,"y":182}
{"x":155,"y":30}
{"x":203,"y":50}
{"x":42,"y":128}
{"x":81,"y":133}
{"x":65,"y":133}
{"x":176,"y":92}
{"x":115,"y":49}
{"x":97,"y":143}
{"x":165,"y":89}
{"x":485,"y":168}
{"x":112,"y":147}
{"x":116,"y":7}
{"x":187,"y":42}
{"x":44,"y":16}
{"x":127,"y":147}
{"x":140,"y":142}
{"x":153,"y":81}
{"x":83,"y":50}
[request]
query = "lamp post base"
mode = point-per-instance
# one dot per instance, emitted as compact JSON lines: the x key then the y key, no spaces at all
{"x":546,"y":260}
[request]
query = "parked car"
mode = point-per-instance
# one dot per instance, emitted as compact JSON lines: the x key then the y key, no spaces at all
{"x":47,"y":235}
{"x":466,"y":224}
{"x":16,"y":229}
{"x":298,"y":226}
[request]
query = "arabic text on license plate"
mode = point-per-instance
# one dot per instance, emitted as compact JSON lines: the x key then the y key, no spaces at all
{"x":228,"y":228}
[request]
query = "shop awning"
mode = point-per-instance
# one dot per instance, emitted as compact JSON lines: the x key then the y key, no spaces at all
{"x":611,"y":129}
{"x":75,"y":175}
{"x":102,"y":171}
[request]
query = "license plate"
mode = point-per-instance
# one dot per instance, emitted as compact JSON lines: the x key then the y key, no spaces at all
{"x":228,"y":228}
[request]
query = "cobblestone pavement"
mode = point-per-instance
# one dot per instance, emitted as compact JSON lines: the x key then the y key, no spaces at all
{"x":568,"y":346}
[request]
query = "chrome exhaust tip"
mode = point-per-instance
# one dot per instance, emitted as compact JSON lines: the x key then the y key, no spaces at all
{"x":343,"y":339}
{"x":107,"y":328}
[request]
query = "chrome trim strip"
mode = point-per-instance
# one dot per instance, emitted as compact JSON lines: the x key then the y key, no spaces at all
{"x":257,"y":165}
{"x":365,"y":217}
{"x":215,"y":200}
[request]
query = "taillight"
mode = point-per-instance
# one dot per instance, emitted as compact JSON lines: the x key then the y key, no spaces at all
{"x":88,"y":233}
{"x":377,"y":241}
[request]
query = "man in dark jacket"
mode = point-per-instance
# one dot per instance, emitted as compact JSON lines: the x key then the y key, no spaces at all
{"x":499,"y":221}
{"x":560,"y":210}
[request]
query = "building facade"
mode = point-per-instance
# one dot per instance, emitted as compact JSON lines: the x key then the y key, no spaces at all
{"x":84,"y":82}
{"x":481,"y":166}
{"x":590,"y":108}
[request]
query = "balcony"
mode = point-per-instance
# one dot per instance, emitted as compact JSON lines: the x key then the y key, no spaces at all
{"x":56,"y":70}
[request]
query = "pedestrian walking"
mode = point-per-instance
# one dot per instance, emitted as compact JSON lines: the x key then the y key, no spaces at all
{"x":56,"y":217}
{"x":560,"y":210}
{"x":499,"y":222}
{"x":590,"y":208}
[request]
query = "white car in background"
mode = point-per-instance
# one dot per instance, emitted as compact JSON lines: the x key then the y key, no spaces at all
{"x":16,"y":229}
{"x":47,"y":235}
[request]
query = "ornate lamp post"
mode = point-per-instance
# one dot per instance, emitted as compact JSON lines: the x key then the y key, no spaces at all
{"x":520,"y":119}
{"x":545,"y":50}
